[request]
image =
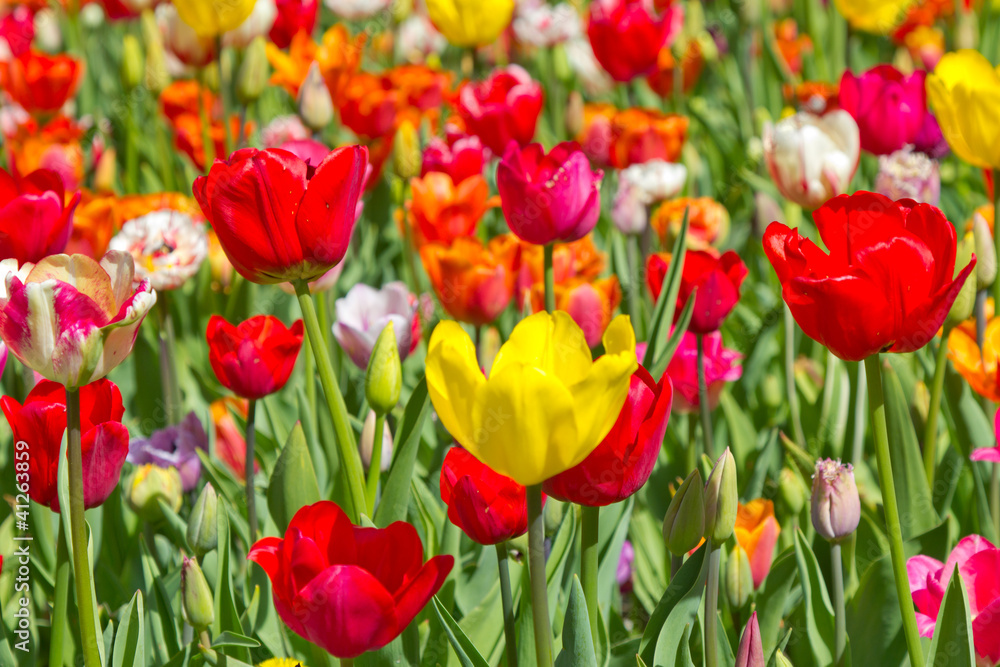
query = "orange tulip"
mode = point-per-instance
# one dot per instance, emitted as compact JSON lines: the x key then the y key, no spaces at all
{"x":641,"y":135}
{"x":55,"y":146}
{"x":707,"y":218}
{"x":338,"y":55}
{"x":816,"y":97}
{"x":595,"y":134}
{"x":590,"y":304}
{"x":230,"y":445}
{"x":441,"y":211}
{"x":40,"y":82}
{"x":369,"y":106}
{"x":757,"y":532}
{"x":473,"y":283}
{"x":579,"y":259}
{"x":182,"y":97}
{"x":978,"y":369}
{"x":791,"y":45}
{"x":182,"y":102}
{"x":692,"y":63}
{"x":420,"y":87}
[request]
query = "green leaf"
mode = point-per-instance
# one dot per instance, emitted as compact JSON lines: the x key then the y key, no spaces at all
{"x":166,"y":638}
{"x":293,"y":483}
{"x":677,"y":608}
{"x":683,"y":322}
{"x":873,"y":620}
{"x":227,"y":618}
{"x":6,"y":657}
{"x":234,"y":639}
{"x":816,"y":601}
{"x":130,"y":649}
{"x":772,"y":596}
{"x":467,"y":653}
{"x":663,"y":315}
{"x":577,"y":642}
{"x":396,"y":493}
{"x":952,"y":644}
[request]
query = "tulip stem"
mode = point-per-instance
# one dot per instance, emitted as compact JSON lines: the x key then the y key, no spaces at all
{"x":712,"y":606}
{"x":590,"y":517}
{"x":793,"y":396}
{"x":930,"y":428}
{"x":375,"y":465}
{"x":350,"y":461}
{"x":876,"y":405}
{"x":508,"y":606}
{"x":131,"y":152}
{"x":840,"y":618}
{"x":536,"y":573}
{"x":59,"y":624}
{"x":634,"y":289}
{"x":166,"y":156}
{"x":168,"y":363}
{"x":251,"y":494}
{"x":996,"y":235}
{"x":705,"y":408}
{"x":550,"y":290}
{"x":224,"y":95}
{"x":208,"y":146}
{"x":78,"y":533}
{"x":309,"y":364}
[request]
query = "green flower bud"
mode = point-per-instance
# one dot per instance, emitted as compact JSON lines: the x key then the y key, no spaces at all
{"x":684,"y":524}
{"x":739,"y":579}
{"x":315,"y":103}
{"x":407,"y":157}
{"x":792,"y":490}
{"x":198,"y":602}
{"x":780,"y":660}
{"x":254,"y":72}
{"x":721,"y":500}
{"x":986,"y":254}
{"x":131,"y":69}
{"x":151,"y":484}
{"x":203,"y":525}
{"x":384,"y":378}
{"x":961,"y":309}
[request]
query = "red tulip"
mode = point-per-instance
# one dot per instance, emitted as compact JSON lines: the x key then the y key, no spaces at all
{"x":503,"y":108}
{"x":627,"y":35}
{"x":345,"y":588}
{"x":40,"y":82}
{"x":279,"y":219}
{"x":17,"y":28}
{"x":717,"y":279}
{"x":890,"y":108}
{"x":549,"y":197}
{"x":886,"y":285}
{"x":489,"y":507}
{"x":40,"y":423}
{"x":35,"y":221}
{"x":623,"y":461}
{"x":294,"y":16}
{"x":255,"y":358}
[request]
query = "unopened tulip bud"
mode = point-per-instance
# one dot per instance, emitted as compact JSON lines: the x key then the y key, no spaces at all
{"x":384,"y":378}
{"x":836,"y":506}
{"x":199,"y":606}
{"x":739,"y":579}
{"x":560,"y":63}
{"x":780,"y":660}
{"x":315,"y":103}
{"x":986,"y":254}
{"x":684,"y":524}
{"x":157,"y":76}
{"x":792,"y":490}
{"x":574,"y":114}
{"x":203,"y":525}
{"x":151,"y":484}
{"x":131,"y":69}
{"x":751,"y":650}
{"x":961,"y":308}
{"x":721,"y":500}
{"x":367,"y":442}
{"x":254,"y":72}
{"x":407,"y":157}
{"x":209,"y":78}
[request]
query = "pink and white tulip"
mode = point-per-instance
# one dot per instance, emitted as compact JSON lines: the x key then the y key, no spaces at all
{"x":168,"y":247}
{"x":365,"y":311}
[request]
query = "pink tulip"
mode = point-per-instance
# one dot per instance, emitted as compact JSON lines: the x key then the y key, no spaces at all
{"x":35,"y":221}
{"x":978,"y":563}
{"x":751,"y":651}
{"x":549,"y":197}
{"x":721,"y":366}
{"x":889,"y":107}
{"x":991,"y":454}
{"x":3,"y":356}
{"x":307,"y":150}
{"x":460,"y":156}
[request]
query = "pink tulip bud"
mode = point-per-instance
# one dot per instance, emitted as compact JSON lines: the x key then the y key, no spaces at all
{"x":751,"y":651}
{"x":836,"y":507}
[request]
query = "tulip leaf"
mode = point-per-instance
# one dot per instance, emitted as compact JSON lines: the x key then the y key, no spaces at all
{"x":227,"y":618}
{"x":234,"y":639}
{"x":130,"y":650}
{"x":952,"y":644}
{"x":467,"y":653}
{"x":663,"y":314}
{"x":6,"y":657}
{"x":873,"y":620}
{"x":677,"y":608}
{"x":166,"y":638}
{"x":610,"y":548}
{"x":577,"y":641}
{"x":772,"y":596}
{"x":293,"y":483}
{"x":816,"y":605}
{"x":663,"y":360}
{"x":396,"y":492}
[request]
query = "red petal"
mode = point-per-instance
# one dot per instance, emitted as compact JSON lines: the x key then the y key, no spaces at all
{"x":326,"y":215}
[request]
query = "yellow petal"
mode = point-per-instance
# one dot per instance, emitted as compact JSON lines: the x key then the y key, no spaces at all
{"x":598,"y":398}
{"x":956,"y":70}
{"x":977,"y":119}
{"x":619,"y":336}
{"x":453,"y":379}
{"x":554,"y":343}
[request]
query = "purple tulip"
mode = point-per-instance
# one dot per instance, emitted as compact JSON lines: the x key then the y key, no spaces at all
{"x":836,"y":507}
{"x":174,"y":447}
{"x":365,"y":311}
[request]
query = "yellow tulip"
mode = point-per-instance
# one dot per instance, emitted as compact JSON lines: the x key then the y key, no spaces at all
{"x":964,"y":92}
{"x":210,"y":18}
{"x":876,"y":16}
{"x":546,"y":405}
{"x":470,"y":22}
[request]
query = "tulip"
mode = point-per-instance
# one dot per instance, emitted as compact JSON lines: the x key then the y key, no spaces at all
{"x":35,"y":218}
{"x":230,"y":445}
{"x":874,"y":17}
{"x":578,"y":260}
{"x":977,"y":366}
{"x":906,"y":174}
{"x":812,"y":158}
{"x":961,"y":91}
{"x":623,"y":573}
{"x":470,"y":23}
{"x":294,"y":17}
{"x":366,"y":443}
{"x":151,"y":485}
{"x":627,"y":35}
{"x":369,"y":106}
{"x":654,"y":181}
{"x":3,"y":356}
{"x":251,"y":80}
{"x":545,"y":362}
{"x":739,"y":580}
{"x":284,"y":129}
{"x":962,"y":307}
{"x":836,"y":506}
{"x":503,"y":108}
{"x":167,"y":246}
{"x":279,"y":220}
{"x":196,"y":596}
{"x":365,"y":311}
{"x":71,"y":319}
{"x":750,"y":652}
{"x":489,"y":507}
{"x":132,"y":65}
{"x":354,"y":589}
{"x":176,"y":447}
{"x":888,"y":107}
{"x":721,"y":366}
{"x":874,"y":244}
{"x":40,"y":82}
{"x":757,"y":534}
{"x":622,"y":463}
{"x":17,"y":30}
{"x":407,"y":158}
{"x":257,"y":24}
{"x":210,"y":18}
{"x":461,"y":156}
{"x":315,"y":103}
{"x":986,"y":253}
{"x":39,"y":426}
{"x":442,"y":209}
{"x":792,"y":490}
{"x":203,"y":525}
{"x":182,"y":40}
{"x":708,"y":221}
{"x":384,"y":376}
{"x":357,"y":9}
{"x":591,"y":303}
{"x":930,"y":140}
{"x":549,"y":197}
{"x":545,"y":25}
{"x":684,"y":523}
{"x":978,"y":563}
{"x":643,"y":135}
{"x":721,"y":500}
{"x":255,"y":358}
{"x":473,"y":283}
{"x":717,"y":279}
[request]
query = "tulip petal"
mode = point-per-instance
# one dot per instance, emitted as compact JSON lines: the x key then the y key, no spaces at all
{"x":986,"y":632}
{"x":104,"y":450}
{"x":553,"y":343}
{"x":453,"y":379}
{"x":264,"y":552}
{"x":418,"y":591}
{"x":326,"y":214}
{"x":598,"y":398}
{"x":393,"y":555}
{"x":981,"y":576}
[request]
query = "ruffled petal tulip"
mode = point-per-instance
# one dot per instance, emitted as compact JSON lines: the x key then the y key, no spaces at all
{"x":964,"y":92}
{"x":888,"y":107}
{"x":365,"y":311}
{"x":836,"y":506}
{"x":907,"y":174}
{"x":757,"y":533}
{"x":35,"y":218}
{"x":503,"y":108}
{"x":546,"y":405}
{"x":627,"y":35}
{"x":473,"y":283}
{"x":168,"y":247}
{"x":489,"y":507}
{"x":470,"y":23}
{"x":255,"y":358}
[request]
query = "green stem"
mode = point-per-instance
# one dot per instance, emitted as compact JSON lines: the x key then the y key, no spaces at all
{"x":131,"y":153}
{"x":706,"y":409}
{"x":536,"y":573}
{"x":860,"y":395}
{"x":840,"y":612}
{"x":322,"y":314}
{"x":166,"y":155}
{"x":712,"y":606}
{"x":208,"y":146}
{"x":996,"y":231}
{"x":347,"y":662}
{"x":793,"y":396}
{"x":251,"y":494}
{"x":375,"y":466}
{"x":930,"y":428}
{"x":876,"y":405}
{"x":172,"y":400}
{"x":309,"y":367}
{"x":350,"y":461}
{"x":550,"y":290}
{"x":224,"y":96}
{"x":78,"y":532}
{"x":59,"y":624}
{"x":635,"y":288}
{"x":676,"y":562}
{"x":508,"y":606}
{"x":591,"y":520}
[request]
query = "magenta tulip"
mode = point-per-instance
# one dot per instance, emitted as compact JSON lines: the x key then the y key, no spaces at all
{"x":890,"y":108}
